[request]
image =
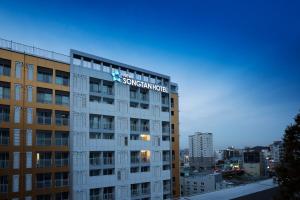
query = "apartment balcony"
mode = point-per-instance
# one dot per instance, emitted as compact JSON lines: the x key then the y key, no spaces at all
{"x":44,"y":163}
{"x":95,"y":161}
{"x":43,"y":184}
{"x":5,"y":94}
{"x":108,"y":196}
{"x":4,"y":116}
{"x":145,"y":160}
{"x":62,"y":141}
{"x":145,"y":191}
{"x":4,"y":140}
{"x":44,"y":120}
{"x":108,"y":161}
{"x":62,"y":162}
{"x":43,"y":141}
{"x":135,"y":192}
{"x":4,"y":164}
{"x":167,"y":188}
{"x":108,"y":126}
{"x":107,"y":91}
{"x":165,"y":130}
{"x":3,"y":188}
{"x":62,"y":121}
{"x":44,"y":98}
{"x":61,"y":182}
{"x":134,"y":160}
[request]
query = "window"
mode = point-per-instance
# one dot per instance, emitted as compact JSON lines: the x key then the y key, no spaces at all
{"x":43,"y":180}
{"x":30,"y":72}
{"x":62,"y":196}
{"x":28,"y":159}
{"x":4,"y":160}
{"x":44,"y":95}
{"x":4,"y":67}
{"x":16,"y":137}
{"x":4,"y":90}
{"x":16,"y":161}
{"x":29,"y":93}
{"x":4,"y":136}
{"x":17,"y":92}
{"x":43,"y":159}
{"x":29,"y":115}
{"x":28,"y":137}
{"x":62,"y":78}
{"x":3,"y":184}
{"x":4,"y":113}
{"x":44,"y":116}
{"x":62,"y":98}
{"x":43,"y":138}
{"x":28,"y":182}
{"x":44,"y":74}
{"x":172,"y":113}
{"x":61,"y":159}
{"x":17,"y":114}
{"x":61,"y":179}
{"x":61,"y":138}
{"x":61,"y":118}
{"x":18,"y":69}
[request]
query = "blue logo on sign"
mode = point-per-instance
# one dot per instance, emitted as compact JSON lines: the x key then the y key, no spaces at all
{"x":116,"y":76}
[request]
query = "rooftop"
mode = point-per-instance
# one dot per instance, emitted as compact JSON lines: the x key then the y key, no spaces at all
{"x":235,"y":192}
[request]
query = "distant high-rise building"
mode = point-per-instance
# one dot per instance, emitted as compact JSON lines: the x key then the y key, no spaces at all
{"x":276,"y":151}
{"x":201,"y":152}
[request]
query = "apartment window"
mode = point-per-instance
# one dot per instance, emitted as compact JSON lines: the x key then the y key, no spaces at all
{"x":44,"y":74}
{"x":107,"y":88}
{"x":95,"y":121}
{"x":4,"y":90}
{"x":4,"y":67}
{"x":28,"y":137}
{"x":15,"y":183}
{"x":4,"y":160}
{"x":29,"y":93}
{"x":62,"y":98}
{"x":95,"y":194}
{"x":28,"y":159}
{"x":43,"y":116}
{"x":62,"y":78}
{"x":62,"y":196}
{"x":28,"y":182}
{"x":61,"y":159}
{"x":172,"y":113}
{"x":173,"y":128}
{"x":43,"y":159}
{"x":43,"y":197}
{"x":172,"y":102}
{"x":43,"y":138}
{"x":30,"y":72}
{"x":4,"y":184}
{"x":4,"y":113}
{"x":29,"y":115}
{"x":95,"y":135}
{"x":108,"y":123}
{"x":61,"y":179}
{"x":18,"y":69}
{"x":95,"y":85}
{"x":16,"y":137}
{"x":61,"y":118}
{"x":61,"y":138}
{"x":44,"y":95}
{"x":17,"y":114}
{"x":4,"y":136}
{"x":43,"y":180}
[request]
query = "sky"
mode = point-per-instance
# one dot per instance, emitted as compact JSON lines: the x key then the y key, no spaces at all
{"x":237,"y":63}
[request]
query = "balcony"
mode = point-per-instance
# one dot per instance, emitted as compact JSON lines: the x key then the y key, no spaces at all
{"x":44,"y":117}
{"x":135,"y":160}
{"x":61,"y":139}
{"x":44,"y":74}
{"x":61,"y":162}
{"x":61,"y":182}
{"x":43,"y":163}
{"x":4,"y":113}
{"x":4,"y":164}
{"x":43,"y":138}
{"x":43,"y":184}
{"x":146,"y":191}
{"x":4,"y":90}
{"x":108,"y":161}
{"x":4,"y":68}
{"x":96,"y":161}
{"x":135,"y":192}
{"x":108,"y":196}
{"x":62,"y":98}
{"x":61,"y":118}
{"x":44,"y":96}
{"x":62,"y":78}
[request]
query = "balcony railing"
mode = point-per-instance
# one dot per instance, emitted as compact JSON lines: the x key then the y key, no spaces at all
{"x":108,"y":160}
{"x":4,"y":117}
{"x":61,"y":182}
{"x":135,"y":160}
{"x":108,"y":196}
{"x":61,"y":141}
{"x":4,"y":140}
{"x":43,"y":184}
{"x":42,"y":99}
{"x":61,"y":162}
{"x":134,"y":127}
{"x":3,"y":188}
{"x":3,"y":164}
{"x":44,"y":78}
{"x":62,"y":121}
{"x":44,"y":120}
{"x":145,"y":191}
{"x":135,"y":192}
{"x":33,"y":51}
{"x":43,"y":141}
{"x":43,"y":163}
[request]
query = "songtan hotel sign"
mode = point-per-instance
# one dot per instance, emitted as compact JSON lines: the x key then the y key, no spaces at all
{"x":125,"y":79}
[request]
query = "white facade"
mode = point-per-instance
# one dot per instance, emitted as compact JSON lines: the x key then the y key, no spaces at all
{"x":201,"y":145}
{"x":111,"y":157}
{"x":276,"y":151}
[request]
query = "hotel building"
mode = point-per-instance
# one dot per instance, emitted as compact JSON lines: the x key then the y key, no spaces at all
{"x":85,"y":127}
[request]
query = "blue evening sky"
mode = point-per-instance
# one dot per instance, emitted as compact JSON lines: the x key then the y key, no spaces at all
{"x":237,"y":63}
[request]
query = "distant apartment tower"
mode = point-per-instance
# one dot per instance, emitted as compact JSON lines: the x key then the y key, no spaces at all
{"x":276,"y":152}
{"x":201,"y":152}
{"x":34,"y":123}
{"x":175,"y":140}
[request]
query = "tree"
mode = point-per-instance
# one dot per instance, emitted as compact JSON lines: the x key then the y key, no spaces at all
{"x":288,"y":171}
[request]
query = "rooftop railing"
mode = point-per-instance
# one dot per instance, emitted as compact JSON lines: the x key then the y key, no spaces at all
{"x":31,"y":50}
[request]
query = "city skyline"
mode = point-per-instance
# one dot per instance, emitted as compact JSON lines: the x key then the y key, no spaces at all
{"x":236,"y":64}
